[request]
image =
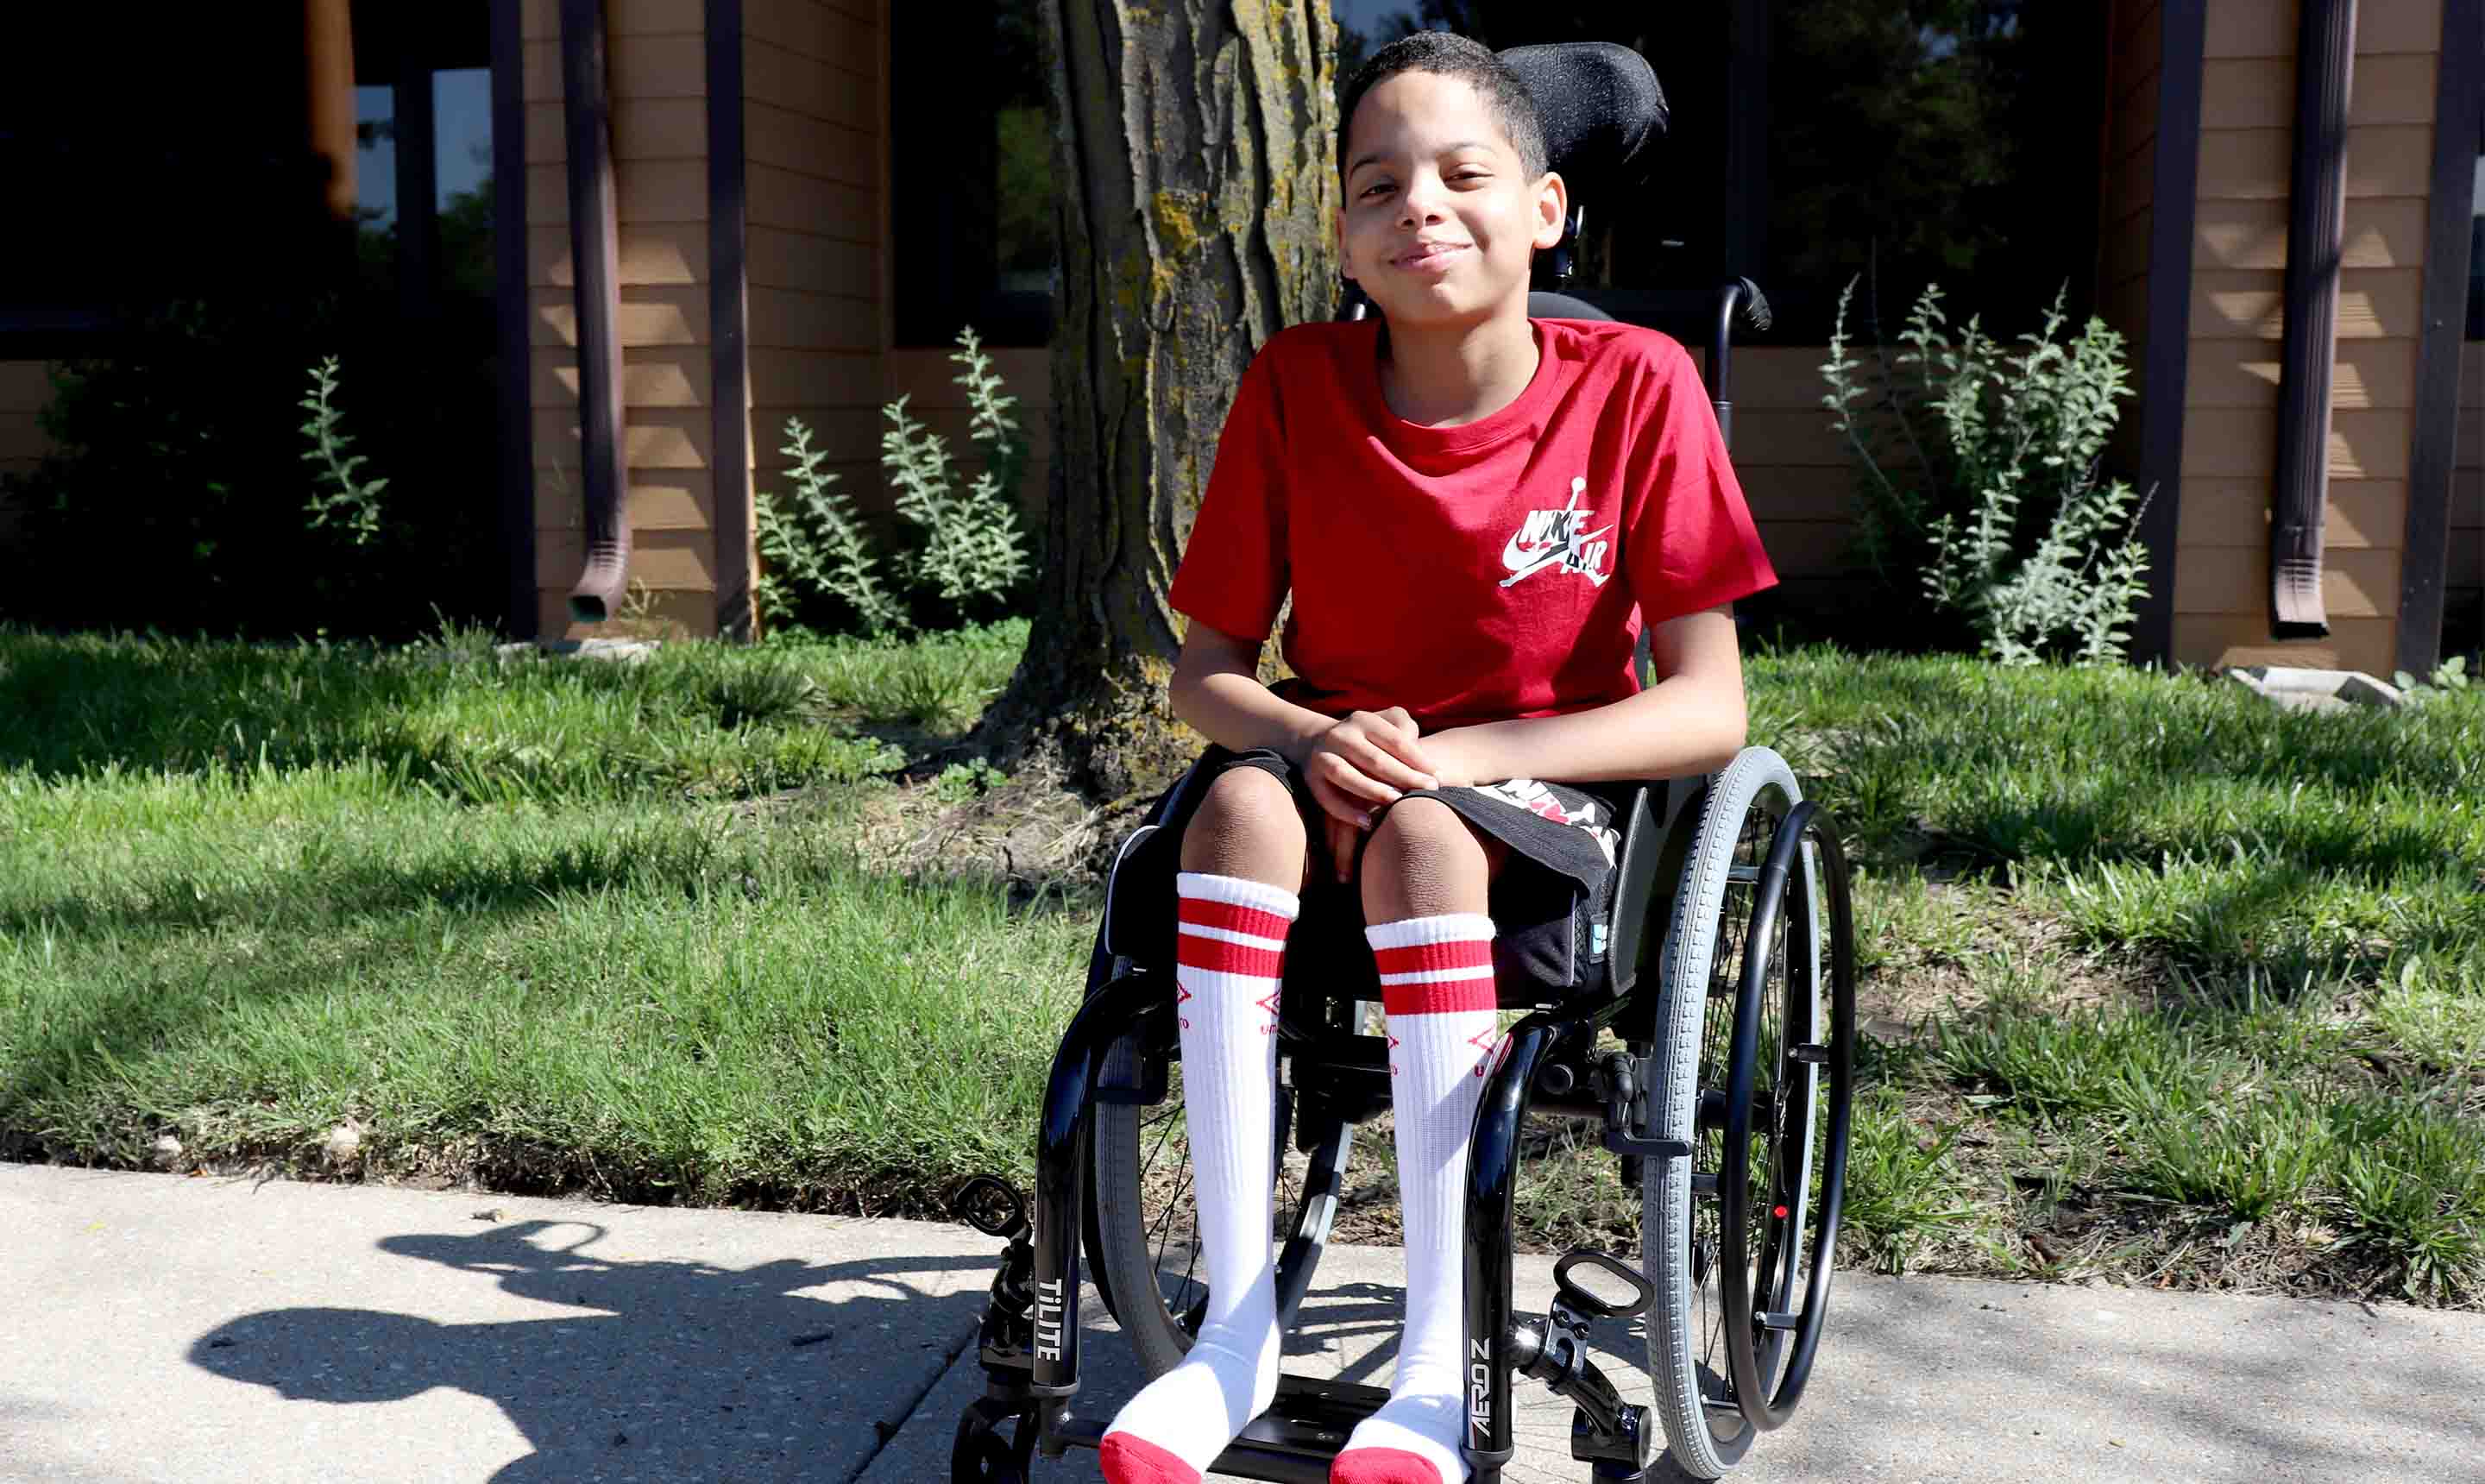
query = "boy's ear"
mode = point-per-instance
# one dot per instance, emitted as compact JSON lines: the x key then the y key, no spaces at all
{"x":1552,"y":209}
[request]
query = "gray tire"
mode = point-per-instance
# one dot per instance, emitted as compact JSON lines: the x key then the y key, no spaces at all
{"x":1679,"y":1251}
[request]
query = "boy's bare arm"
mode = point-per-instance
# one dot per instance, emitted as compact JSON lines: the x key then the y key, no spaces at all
{"x":1351,"y":765}
{"x":1216,"y":689}
{"x":1692,"y":720}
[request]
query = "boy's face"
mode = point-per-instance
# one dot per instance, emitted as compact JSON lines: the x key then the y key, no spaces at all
{"x":1440,"y":217}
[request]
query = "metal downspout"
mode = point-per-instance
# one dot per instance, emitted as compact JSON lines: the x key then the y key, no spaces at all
{"x":587,"y":119}
{"x":2325,"y":56}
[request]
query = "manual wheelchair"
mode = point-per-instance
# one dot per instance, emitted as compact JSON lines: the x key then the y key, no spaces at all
{"x":1710,"y":1039}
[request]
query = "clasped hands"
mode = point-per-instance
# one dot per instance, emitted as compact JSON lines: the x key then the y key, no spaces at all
{"x":1371,"y":758}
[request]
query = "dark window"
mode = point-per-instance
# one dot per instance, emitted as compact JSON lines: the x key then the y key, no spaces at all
{"x":1811,"y":140}
{"x":172,"y":160}
{"x":972,"y":196}
{"x":134,"y":154}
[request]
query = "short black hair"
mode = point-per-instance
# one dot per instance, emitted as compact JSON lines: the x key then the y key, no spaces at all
{"x":1471,"y":61}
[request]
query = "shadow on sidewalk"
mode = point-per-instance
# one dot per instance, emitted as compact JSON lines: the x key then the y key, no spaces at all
{"x":667,"y":1370}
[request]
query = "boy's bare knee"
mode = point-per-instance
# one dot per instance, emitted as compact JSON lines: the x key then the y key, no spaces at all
{"x":1423,"y":859}
{"x":1246,"y":826}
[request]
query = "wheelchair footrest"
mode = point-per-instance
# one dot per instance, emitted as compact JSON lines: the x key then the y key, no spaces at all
{"x":1294,"y":1441}
{"x":1313,"y":1417}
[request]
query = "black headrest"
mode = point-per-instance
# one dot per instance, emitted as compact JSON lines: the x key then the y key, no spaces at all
{"x":1600,"y":107}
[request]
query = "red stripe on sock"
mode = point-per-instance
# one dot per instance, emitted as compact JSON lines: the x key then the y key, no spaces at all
{"x":1437,"y":997}
{"x":1234,"y":917}
{"x":1433,"y":957}
{"x":1219,"y":956}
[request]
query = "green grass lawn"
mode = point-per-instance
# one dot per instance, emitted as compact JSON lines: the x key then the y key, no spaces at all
{"x":2165,"y":986}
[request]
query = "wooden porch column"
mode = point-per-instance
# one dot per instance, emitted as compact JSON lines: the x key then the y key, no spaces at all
{"x":328,"y":57}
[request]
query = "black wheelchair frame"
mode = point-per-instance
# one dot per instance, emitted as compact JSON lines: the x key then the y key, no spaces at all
{"x":1547,"y":1064}
{"x":1030,"y":1340}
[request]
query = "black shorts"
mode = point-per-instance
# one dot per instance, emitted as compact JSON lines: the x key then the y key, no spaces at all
{"x":1550,"y":904}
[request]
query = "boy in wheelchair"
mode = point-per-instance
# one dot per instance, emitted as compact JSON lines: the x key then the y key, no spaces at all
{"x":1450,"y":491}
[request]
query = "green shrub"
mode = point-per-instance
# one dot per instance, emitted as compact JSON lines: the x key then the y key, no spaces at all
{"x":353,"y":503}
{"x":818,"y":545}
{"x":1981,"y":482}
{"x":969,"y":554}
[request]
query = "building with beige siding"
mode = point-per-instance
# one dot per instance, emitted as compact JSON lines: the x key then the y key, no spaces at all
{"x":785,"y":208}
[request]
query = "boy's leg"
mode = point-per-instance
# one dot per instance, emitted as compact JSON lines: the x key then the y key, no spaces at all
{"x":1243,"y":860}
{"x":1426,"y":877}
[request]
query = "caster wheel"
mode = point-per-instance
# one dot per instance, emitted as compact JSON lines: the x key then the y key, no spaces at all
{"x":982,"y":1455}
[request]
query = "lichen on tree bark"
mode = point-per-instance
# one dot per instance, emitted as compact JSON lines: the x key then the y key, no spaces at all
{"x":1191,"y":145}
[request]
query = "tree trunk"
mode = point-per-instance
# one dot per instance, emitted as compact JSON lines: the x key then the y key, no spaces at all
{"x":1191,"y":145}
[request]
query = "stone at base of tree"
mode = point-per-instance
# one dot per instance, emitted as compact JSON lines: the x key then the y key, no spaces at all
{"x":2316,"y":689}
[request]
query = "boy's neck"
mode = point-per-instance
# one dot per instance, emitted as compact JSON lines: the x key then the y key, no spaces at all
{"x":1447,"y":376}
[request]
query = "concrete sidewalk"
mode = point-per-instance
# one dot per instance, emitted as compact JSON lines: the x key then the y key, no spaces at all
{"x":154,"y":1328}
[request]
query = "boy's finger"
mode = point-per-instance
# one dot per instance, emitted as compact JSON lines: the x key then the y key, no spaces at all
{"x":1353,"y":794}
{"x":1390,"y":768}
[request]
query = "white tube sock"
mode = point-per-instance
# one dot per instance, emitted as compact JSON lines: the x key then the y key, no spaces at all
{"x":1436,"y":983}
{"x":1229,"y":962}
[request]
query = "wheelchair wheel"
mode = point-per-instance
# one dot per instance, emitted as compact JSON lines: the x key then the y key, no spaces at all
{"x":1147,"y":1217}
{"x":1744,"y":1029}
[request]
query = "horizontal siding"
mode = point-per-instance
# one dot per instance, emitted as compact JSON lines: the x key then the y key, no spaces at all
{"x":672,"y":376}
{"x":541,"y":19}
{"x":2202,"y":638}
{"x":2367,"y":375}
{"x":643,"y":128}
{"x":811,"y":205}
{"x":2361,"y":583}
{"x":656,"y":498}
{"x":2241,"y":443}
{"x":2387,"y":233}
{"x":2237,"y":320}
{"x":662,"y":315}
{"x":1797,"y":477}
{"x":651,"y":437}
{"x":650,"y":255}
{"x":2235,"y":512}
{"x":2266,"y":28}
{"x":814,"y":171}
{"x":778,"y":259}
{"x":667,"y":560}
{"x":789,"y":140}
{"x":828,"y":92}
{"x":846,"y":37}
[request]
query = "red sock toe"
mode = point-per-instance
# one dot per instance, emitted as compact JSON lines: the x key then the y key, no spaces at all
{"x":1130,"y":1458}
{"x":1382,"y":1466}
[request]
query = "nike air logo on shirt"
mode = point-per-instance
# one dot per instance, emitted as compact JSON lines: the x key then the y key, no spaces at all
{"x":1549,"y":538}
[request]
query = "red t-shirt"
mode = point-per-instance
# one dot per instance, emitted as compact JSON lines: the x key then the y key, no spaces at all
{"x":1464,"y":572}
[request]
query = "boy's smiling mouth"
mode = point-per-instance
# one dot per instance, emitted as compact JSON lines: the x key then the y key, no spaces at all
{"x":1425,"y":256}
